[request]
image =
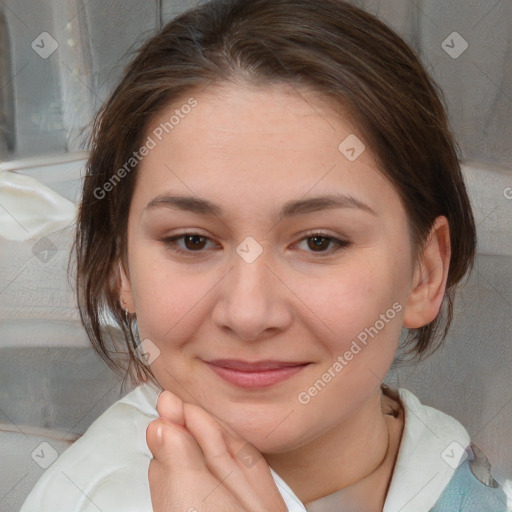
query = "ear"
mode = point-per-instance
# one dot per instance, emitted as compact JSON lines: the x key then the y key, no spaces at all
{"x":429,"y":278}
{"x":125,"y":292}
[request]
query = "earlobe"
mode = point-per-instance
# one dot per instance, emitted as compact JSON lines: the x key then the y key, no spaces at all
{"x":430,"y":276}
{"x":125,"y":292}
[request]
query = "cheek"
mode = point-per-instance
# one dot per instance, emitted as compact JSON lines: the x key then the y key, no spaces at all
{"x":167,"y":296}
{"x":353,"y":297}
{"x":363,"y":308}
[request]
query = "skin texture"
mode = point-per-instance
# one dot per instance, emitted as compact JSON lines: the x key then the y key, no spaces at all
{"x":250,"y":150}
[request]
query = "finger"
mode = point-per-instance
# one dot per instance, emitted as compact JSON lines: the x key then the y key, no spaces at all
{"x":179,"y":478}
{"x":185,"y":490}
{"x":227,"y":458}
{"x":174,"y":446}
{"x":170,"y":407}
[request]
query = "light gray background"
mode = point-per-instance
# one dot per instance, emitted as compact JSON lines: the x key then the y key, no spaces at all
{"x":52,"y":386}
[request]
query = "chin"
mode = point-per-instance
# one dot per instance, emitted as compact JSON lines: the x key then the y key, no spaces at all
{"x":268,"y":439}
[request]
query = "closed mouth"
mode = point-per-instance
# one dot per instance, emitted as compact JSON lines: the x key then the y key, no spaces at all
{"x":255,"y":375}
{"x":257,"y":366}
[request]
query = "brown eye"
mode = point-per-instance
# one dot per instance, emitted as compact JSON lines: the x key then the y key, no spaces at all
{"x":192,"y":243}
{"x":318,"y":242}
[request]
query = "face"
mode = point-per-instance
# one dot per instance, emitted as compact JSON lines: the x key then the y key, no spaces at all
{"x":260,"y":270}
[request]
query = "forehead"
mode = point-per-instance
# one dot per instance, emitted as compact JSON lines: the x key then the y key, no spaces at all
{"x":266,"y":144}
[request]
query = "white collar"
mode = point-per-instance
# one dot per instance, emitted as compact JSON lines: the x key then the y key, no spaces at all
{"x":431,"y":448}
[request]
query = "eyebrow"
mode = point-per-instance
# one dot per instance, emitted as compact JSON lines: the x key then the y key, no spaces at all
{"x":292,"y":208}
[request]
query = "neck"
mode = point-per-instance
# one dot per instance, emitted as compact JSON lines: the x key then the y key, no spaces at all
{"x":356,"y":448}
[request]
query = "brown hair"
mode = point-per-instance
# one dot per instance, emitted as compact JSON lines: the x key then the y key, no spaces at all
{"x":329,"y":46}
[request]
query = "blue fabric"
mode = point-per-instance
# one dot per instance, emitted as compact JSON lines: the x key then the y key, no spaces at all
{"x":467,"y":493}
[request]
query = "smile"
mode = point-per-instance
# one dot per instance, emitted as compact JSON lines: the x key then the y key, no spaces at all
{"x":258,"y":374}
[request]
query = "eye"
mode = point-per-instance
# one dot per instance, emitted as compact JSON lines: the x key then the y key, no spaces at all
{"x":194,"y":242}
{"x":318,"y":242}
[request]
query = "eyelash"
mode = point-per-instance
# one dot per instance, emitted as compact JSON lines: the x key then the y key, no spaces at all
{"x":170,"y":243}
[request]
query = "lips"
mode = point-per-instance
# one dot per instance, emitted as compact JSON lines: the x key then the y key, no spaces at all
{"x":258,"y":366}
{"x":256,"y":374}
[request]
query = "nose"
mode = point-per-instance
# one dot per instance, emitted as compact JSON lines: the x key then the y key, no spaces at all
{"x":253,"y":302}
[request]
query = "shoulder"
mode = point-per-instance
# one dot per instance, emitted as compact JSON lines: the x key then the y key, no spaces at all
{"x":472,"y":487}
{"x":106,"y":469}
{"x":437,"y":465}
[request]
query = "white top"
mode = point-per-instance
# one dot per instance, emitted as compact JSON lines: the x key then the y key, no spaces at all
{"x":107,"y":468}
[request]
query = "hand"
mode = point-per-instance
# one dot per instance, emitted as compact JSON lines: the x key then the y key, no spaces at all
{"x":201,"y":465}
